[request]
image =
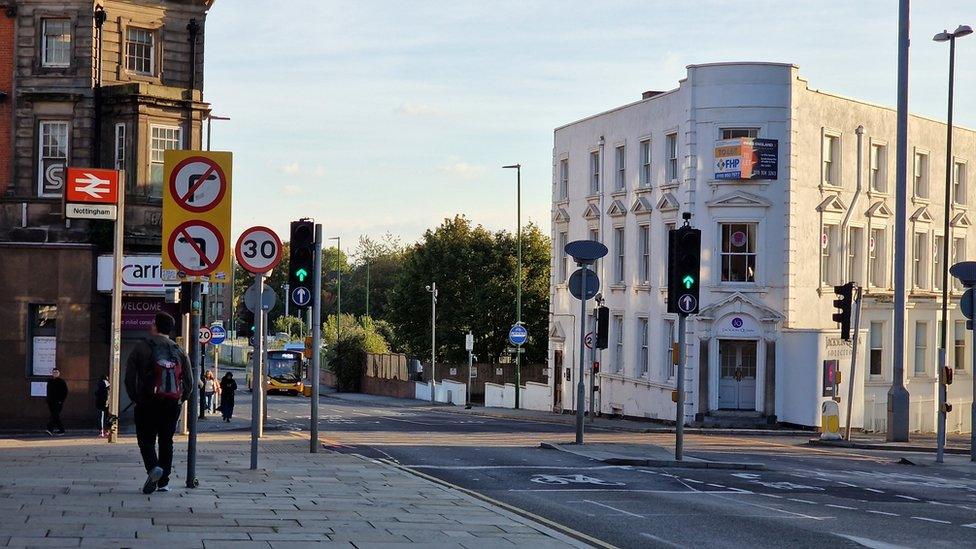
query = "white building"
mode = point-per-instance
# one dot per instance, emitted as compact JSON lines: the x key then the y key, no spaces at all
{"x":772,"y":250}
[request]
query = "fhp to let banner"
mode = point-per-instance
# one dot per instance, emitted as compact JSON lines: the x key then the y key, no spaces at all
{"x":196,"y":216}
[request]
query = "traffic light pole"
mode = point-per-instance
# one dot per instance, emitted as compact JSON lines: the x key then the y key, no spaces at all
{"x":580,"y":387}
{"x":851,"y":380}
{"x":679,"y":415}
{"x":195,"y":366}
{"x":313,"y":444}
{"x":256,"y":385}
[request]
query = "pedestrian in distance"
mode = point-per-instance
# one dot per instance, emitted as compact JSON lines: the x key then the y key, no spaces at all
{"x":158,"y":380}
{"x":209,"y":389}
{"x":227,"y":389}
{"x":57,"y":393}
{"x":101,"y":404}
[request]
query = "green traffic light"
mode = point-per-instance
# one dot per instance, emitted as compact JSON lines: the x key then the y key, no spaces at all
{"x":688,"y":281}
{"x":301,"y":274}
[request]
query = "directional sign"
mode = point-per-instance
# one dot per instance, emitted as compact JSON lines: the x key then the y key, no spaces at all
{"x":687,"y":304}
{"x":258,"y":250}
{"x":108,"y":212}
{"x":196,"y":216}
{"x":301,"y":296}
{"x":268,"y":299}
{"x":218,"y":335}
{"x":588,"y":340}
{"x":92,"y":186}
{"x":576,"y":284}
{"x":205,"y":335}
{"x":965,"y":271}
{"x":518,"y":335}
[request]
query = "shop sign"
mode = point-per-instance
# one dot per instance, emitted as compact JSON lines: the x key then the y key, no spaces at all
{"x":746,"y":158}
{"x":140,"y":274}
{"x":138,"y":313}
{"x":738,"y":326}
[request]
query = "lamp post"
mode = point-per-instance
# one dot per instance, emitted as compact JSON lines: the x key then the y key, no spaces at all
{"x":518,"y":277}
{"x":432,"y":288}
{"x":338,"y":240}
{"x":211,"y":118}
{"x":946,"y":36}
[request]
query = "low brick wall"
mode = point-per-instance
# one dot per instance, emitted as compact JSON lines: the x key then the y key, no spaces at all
{"x":388,"y":387}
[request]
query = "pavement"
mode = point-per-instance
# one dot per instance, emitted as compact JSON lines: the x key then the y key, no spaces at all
{"x":918,"y":443}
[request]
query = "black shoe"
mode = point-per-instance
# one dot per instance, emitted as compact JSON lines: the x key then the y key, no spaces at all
{"x":150,"y":486}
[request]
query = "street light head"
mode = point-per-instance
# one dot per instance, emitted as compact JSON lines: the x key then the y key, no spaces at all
{"x":428,"y":287}
{"x":963,"y":30}
{"x":943,"y":36}
{"x":516,"y":166}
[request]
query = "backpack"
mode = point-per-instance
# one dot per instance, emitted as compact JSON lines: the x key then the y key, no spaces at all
{"x":166,"y":377}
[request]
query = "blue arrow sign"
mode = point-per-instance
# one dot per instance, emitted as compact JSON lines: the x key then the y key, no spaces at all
{"x":219,"y":335}
{"x":518,"y":335}
{"x":301,"y":296}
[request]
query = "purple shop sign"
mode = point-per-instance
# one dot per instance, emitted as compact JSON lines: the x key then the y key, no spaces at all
{"x":138,"y":312}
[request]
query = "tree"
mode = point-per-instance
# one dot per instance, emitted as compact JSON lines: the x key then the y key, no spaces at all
{"x":374,"y":270}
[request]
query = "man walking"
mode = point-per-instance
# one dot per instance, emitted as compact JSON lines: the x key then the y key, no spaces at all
{"x":57,"y":393}
{"x":158,"y":379}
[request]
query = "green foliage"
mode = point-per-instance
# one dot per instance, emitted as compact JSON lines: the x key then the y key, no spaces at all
{"x":289,"y":325}
{"x":348,"y":361}
{"x":373,"y":341}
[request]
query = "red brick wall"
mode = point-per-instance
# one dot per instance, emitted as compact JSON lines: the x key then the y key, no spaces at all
{"x":6,"y":110}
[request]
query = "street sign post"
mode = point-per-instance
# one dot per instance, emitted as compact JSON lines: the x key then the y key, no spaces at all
{"x":469,"y":347}
{"x":518,"y":335}
{"x":258,"y":250}
{"x":965,"y":271}
{"x":301,"y":296}
{"x":205,"y":335}
{"x":92,"y":194}
{"x":268,"y":298}
{"x":217,"y":335}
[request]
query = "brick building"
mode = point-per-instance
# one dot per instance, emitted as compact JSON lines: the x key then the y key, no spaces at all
{"x":105,"y":83}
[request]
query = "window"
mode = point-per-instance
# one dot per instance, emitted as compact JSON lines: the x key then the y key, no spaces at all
{"x":594,"y":234}
{"x":958,"y":254}
{"x":921,"y":175}
{"x":959,"y":337}
{"x":876,"y":264}
{"x":937,"y":244}
{"x":618,"y":355}
{"x":621,"y":178}
{"x":877,"y":348}
{"x":139,"y":50}
{"x":643,"y":356}
{"x":645,"y":163}
{"x":831,"y":158}
{"x":52,"y":156}
{"x":668,"y":362}
{"x":732,"y":133}
{"x":827,"y":240}
{"x":671,"y":144}
{"x":879,"y":174}
{"x":562,"y":267}
{"x":162,"y":138}
{"x":563,"y":178}
{"x":920,"y":258}
{"x":959,"y":183}
{"x":854,"y":254}
{"x":668,"y":227}
{"x":618,"y":264}
{"x":56,"y":43}
{"x":42,"y":339}
{"x":644,"y":241}
{"x":120,"y":146}
{"x":738,"y":252}
{"x":595,"y":172}
{"x":921,"y":342}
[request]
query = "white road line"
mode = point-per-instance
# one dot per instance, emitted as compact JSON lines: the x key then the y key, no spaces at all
{"x":693,"y":481}
{"x":802,"y":501}
{"x":715,"y":485}
{"x":768,"y":508}
{"x":841,"y":507}
{"x":938,"y":503}
{"x":847,"y":484}
{"x":772,"y":496}
{"x":932,"y":520}
{"x":885,"y":513}
{"x":629,"y":490}
{"x":973,"y":525}
{"x":875,"y":490}
{"x":557,"y":467}
{"x":613,"y":508}
{"x":906,"y":497}
{"x":660,"y":540}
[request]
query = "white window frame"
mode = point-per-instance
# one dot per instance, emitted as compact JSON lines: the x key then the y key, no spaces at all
{"x":668,"y":227}
{"x":877,"y":277}
{"x":937,"y":259}
{"x":643,"y":347}
{"x":619,"y":254}
{"x":119,"y":149}
{"x":920,"y":175}
{"x":921,"y":349}
{"x":827,"y":266}
{"x":153,"y":39}
{"x":41,"y":124}
{"x":64,"y":49}
{"x":878,"y":167}
{"x":594,"y":172}
{"x":563,"y":267}
{"x":830,"y":157}
{"x":563,"y":178}
{"x":620,"y":176}
{"x":854,"y":247}
{"x":958,"y":254}
{"x":959,"y":182}
{"x":920,"y":260}
{"x":876,"y":347}
{"x":151,"y":141}
{"x":722,"y":254}
{"x":751,"y":132}
{"x":671,"y":155}
{"x":645,"y":163}
{"x":618,"y":355}
{"x":644,"y":249}
{"x":959,"y":354}
{"x":670,"y":369}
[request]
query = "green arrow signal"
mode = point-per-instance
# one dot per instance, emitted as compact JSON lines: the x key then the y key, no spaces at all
{"x":302,"y":274}
{"x":688,"y":280}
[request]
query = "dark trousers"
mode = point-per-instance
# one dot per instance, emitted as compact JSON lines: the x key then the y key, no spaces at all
{"x":54,"y":424}
{"x":156,"y":423}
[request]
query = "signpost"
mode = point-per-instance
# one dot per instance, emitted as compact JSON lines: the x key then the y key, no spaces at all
{"x":205,"y":335}
{"x":196,"y":233}
{"x":469,"y":347}
{"x":684,"y":265}
{"x":965,"y":271}
{"x":217,"y":335}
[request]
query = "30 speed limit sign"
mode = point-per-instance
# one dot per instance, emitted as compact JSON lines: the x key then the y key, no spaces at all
{"x":258,"y":250}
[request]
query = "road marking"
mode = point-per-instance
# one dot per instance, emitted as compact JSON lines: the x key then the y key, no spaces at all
{"x":766,"y":507}
{"x":938,"y":503}
{"x":798,"y":500}
{"x":633,"y":490}
{"x":715,"y":485}
{"x":660,"y":540}
{"x":772,"y":496}
{"x":693,"y":481}
{"x":875,"y":490}
{"x":870,"y":543}
{"x":613,"y":508}
{"x":554,"y":467}
{"x":973,"y":525}
{"x":835,"y":506}
{"x":932,"y":520}
{"x":906,"y":497}
{"x":885,"y":513}
{"x":847,"y":484}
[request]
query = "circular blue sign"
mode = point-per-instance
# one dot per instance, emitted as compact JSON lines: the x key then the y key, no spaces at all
{"x":219,"y":335}
{"x":301,"y":296}
{"x":518,"y":335}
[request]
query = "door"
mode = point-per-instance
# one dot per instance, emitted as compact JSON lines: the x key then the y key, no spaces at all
{"x":737,"y":371}
{"x":556,"y":373}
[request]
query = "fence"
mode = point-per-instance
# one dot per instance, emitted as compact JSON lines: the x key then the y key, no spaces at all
{"x":533,"y":396}
{"x":499,"y":374}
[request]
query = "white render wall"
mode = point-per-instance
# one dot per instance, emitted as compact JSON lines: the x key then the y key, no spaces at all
{"x":786,"y":311}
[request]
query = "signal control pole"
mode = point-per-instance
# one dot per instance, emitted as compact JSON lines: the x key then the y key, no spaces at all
{"x":316,"y":340}
{"x":684,"y":267}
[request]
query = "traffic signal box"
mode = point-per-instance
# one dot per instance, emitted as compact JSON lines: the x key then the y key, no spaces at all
{"x":301,"y":263}
{"x":843,"y":303}
{"x":602,"y":327}
{"x":684,"y":265}
{"x":245,"y":323}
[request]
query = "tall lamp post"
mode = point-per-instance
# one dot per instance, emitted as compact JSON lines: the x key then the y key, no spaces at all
{"x":338,"y":286}
{"x":946,"y":36}
{"x":518,"y":278}
{"x":211,"y":118}
{"x":432,"y":288}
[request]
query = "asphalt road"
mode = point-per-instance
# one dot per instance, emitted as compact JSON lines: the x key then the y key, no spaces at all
{"x":809,"y":497}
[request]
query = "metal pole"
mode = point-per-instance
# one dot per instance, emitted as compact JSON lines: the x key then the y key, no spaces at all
{"x":287,"y":299}
{"x":593,"y":361}
{"x":679,"y":416}
{"x":256,"y":384}
{"x":580,"y":387}
{"x":185,"y":334}
{"x":195,"y":364}
{"x":316,"y":341}
{"x":115,"y":366}
{"x":209,"y":126}
{"x":470,"y":362}
{"x":433,"y":333}
{"x":944,"y":336}
{"x":898,"y":398}
{"x":367,"y":288}
{"x":338,"y":288}
{"x":852,"y":378}
{"x":264,"y":372}
{"x":518,"y":299}
{"x":972,"y":365}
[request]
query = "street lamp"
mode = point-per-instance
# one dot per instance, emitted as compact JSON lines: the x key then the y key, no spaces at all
{"x":946,"y":36}
{"x":518,"y":283}
{"x":210,"y":118}
{"x":432,"y":288}
{"x":338,"y":287}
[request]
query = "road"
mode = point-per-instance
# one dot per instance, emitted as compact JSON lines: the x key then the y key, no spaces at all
{"x":808,"y":497}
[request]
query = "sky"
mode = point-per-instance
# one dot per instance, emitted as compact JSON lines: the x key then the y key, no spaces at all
{"x":377,"y":117}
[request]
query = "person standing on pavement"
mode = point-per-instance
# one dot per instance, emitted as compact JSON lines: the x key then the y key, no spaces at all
{"x":57,"y":393}
{"x":158,"y":379}
{"x":101,"y":404}
{"x":209,"y":388}
{"x":227,"y":389}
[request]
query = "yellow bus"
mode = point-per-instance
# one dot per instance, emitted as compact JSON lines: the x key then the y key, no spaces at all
{"x":285,"y":371}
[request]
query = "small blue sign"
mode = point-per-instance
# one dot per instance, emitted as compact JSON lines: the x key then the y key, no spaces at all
{"x":518,"y":335}
{"x":301,"y":296}
{"x":219,"y":335}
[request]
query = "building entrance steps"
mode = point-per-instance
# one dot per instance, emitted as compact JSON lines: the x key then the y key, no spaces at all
{"x":644,"y":455}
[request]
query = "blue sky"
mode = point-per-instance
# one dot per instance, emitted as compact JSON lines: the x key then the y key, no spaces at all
{"x":388,"y":116}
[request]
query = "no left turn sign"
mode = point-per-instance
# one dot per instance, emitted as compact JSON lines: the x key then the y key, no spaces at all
{"x":258,"y":249}
{"x":196,"y":248}
{"x":197,"y":184}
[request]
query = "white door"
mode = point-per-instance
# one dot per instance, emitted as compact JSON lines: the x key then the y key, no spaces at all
{"x":737,"y":371}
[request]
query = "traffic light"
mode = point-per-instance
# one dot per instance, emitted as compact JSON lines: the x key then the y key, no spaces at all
{"x":845,"y":298}
{"x":602,"y":327}
{"x":596,"y":367}
{"x":684,"y":264}
{"x":245,"y":323}
{"x":301,"y":264}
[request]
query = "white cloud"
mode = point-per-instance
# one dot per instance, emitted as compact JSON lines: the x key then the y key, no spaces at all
{"x":292,"y":190}
{"x":463,"y":170}
{"x":418,"y":110}
{"x":291,"y":169}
